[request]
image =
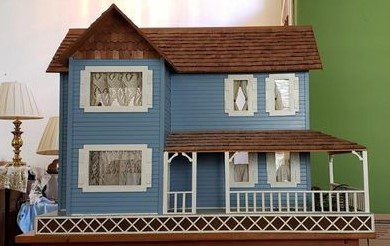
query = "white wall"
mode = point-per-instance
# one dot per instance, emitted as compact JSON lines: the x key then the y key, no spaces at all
{"x":31,"y":30}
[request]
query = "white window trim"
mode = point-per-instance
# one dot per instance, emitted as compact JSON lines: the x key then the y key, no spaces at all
{"x":147,"y":88}
{"x":295,"y":171}
{"x":146,"y":169}
{"x":270,"y":94}
{"x":252,"y":95}
{"x":253,"y":172}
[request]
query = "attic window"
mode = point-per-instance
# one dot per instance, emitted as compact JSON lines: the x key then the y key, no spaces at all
{"x":240,"y":95}
{"x":115,"y":168}
{"x":119,"y":89}
{"x":282,"y":94}
{"x":116,"y":89}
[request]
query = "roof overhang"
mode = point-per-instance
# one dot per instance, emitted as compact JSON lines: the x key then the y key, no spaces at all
{"x":208,"y":49}
{"x":259,"y":141}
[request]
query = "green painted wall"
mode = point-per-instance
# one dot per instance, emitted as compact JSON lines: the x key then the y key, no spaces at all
{"x":350,"y":97}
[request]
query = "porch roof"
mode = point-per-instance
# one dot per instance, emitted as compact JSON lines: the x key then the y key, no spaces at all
{"x":258,"y":141}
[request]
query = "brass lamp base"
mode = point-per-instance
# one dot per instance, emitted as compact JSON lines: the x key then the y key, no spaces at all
{"x":17,"y":143}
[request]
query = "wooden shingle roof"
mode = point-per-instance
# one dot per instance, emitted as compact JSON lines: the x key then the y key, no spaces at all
{"x":258,"y":141}
{"x":55,"y":65}
{"x":207,"y":49}
{"x":237,"y":49}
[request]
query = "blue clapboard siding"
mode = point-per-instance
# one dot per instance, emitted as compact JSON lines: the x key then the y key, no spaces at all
{"x":62,"y":136}
{"x":211,"y":178}
{"x":115,"y":128}
{"x":198,"y":103}
{"x":167,"y":102}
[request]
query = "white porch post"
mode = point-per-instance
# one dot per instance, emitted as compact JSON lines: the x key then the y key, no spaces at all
{"x":227,"y":183}
{"x":331,"y":172}
{"x":365,"y":181}
{"x":165,"y":183}
{"x":194,"y":177}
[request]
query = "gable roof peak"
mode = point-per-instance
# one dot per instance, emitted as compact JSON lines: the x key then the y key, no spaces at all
{"x":192,"y":50}
{"x":112,"y":11}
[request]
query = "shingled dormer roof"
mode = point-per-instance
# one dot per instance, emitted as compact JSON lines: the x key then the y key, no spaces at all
{"x":192,"y":50}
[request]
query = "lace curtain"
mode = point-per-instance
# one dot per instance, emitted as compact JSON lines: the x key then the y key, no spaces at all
{"x":283,"y":167}
{"x":282,"y":94}
{"x":243,"y":84}
{"x":241,"y":173}
{"x":116,"y":89}
{"x":115,"y":167}
{"x":14,"y":178}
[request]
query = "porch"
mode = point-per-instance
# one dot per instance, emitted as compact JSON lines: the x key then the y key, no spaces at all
{"x":245,"y":211}
{"x":283,"y":205}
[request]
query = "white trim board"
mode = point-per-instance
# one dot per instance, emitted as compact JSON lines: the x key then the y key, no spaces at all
{"x":146,"y":170}
{"x":85,"y":88}
{"x":270,"y":94}
{"x":295,"y":171}
{"x":252,"y":169}
{"x":252,"y":95}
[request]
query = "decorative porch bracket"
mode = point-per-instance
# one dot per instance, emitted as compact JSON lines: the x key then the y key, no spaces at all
{"x":363,"y":157}
{"x":166,"y":179}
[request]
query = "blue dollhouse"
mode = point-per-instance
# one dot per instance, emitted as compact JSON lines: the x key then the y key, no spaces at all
{"x":183,"y":131}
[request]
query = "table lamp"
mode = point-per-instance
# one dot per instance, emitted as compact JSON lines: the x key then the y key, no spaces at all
{"x":17,"y":103}
{"x":49,"y":143}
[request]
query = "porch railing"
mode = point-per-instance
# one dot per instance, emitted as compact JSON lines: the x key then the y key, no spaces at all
{"x":180,"y":202}
{"x":340,"y":201}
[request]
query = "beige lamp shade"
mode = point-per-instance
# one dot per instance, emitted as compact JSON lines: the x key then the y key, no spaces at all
{"x":17,"y":102}
{"x":50,"y":138}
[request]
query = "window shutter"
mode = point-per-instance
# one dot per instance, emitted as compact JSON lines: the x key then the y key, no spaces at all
{"x":147,"y":163}
{"x":269,"y":95}
{"x":228,"y":96}
{"x":149,"y":82}
{"x":296,"y":93}
{"x":254,"y":95}
{"x":253,"y":168}
{"x":271,"y":168}
{"x":295,"y":167}
{"x":83,"y":88}
{"x":83,"y":167}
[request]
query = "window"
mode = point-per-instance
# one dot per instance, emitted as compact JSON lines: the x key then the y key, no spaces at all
{"x":283,"y":169}
{"x":115,"y":168}
{"x":240,"y":95}
{"x":243,"y":169}
{"x":282,"y":94}
{"x":116,"y":89}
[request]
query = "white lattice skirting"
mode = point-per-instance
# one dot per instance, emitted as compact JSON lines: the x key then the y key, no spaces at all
{"x":334,"y":223}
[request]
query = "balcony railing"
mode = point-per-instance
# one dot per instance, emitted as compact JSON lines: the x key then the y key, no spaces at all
{"x":339,"y":201}
{"x":180,"y":202}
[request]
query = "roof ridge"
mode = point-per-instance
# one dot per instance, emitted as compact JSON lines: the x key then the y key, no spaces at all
{"x":206,"y":48}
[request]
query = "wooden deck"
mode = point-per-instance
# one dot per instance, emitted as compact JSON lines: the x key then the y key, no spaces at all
{"x":237,"y":238}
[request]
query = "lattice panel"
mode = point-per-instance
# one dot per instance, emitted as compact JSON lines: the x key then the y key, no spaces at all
{"x":356,"y":223}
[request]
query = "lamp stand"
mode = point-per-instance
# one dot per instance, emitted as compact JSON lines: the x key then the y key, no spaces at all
{"x":17,"y":143}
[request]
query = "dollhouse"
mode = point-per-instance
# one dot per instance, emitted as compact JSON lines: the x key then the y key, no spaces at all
{"x":195,"y":134}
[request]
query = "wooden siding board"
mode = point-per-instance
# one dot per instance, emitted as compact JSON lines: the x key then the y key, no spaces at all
{"x":63,"y":143}
{"x":165,"y":123}
{"x":307,"y":101}
{"x":69,"y":137}
{"x":115,"y":128}
{"x":198,"y":103}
